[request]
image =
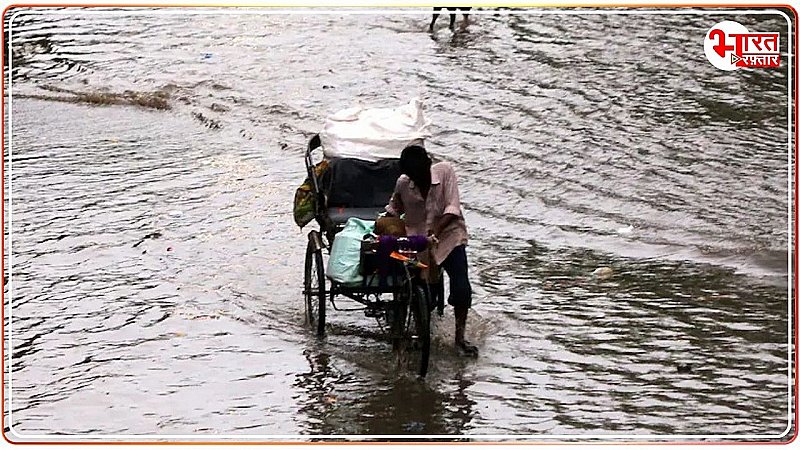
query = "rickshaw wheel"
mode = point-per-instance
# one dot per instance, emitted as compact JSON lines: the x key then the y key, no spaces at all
{"x":412,"y":331}
{"x":314,"y":288}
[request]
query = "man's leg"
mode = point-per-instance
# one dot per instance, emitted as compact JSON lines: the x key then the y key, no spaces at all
{"x":435,"y":16}
{"x":460,"y":294}
{"x":465,"y":22}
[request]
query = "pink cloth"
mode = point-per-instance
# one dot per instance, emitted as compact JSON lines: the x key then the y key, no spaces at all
{"x":421,"y":214}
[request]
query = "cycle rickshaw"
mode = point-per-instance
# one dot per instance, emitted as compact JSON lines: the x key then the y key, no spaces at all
{"x":392,"y":291}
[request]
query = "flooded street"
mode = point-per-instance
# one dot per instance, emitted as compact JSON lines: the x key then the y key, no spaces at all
{"x":155,"y":286}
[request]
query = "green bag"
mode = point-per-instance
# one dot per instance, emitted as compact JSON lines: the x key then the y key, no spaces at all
{"x":343,"y":265}
{"x":305,"y":201}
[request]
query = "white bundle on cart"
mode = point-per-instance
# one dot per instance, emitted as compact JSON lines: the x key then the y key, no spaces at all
{"x":373,"y":134}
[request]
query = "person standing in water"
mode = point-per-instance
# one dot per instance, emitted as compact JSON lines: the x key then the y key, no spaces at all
{"x":428,"y":196}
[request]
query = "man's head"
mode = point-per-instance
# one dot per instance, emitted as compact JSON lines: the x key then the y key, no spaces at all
{"x":415,"y":162}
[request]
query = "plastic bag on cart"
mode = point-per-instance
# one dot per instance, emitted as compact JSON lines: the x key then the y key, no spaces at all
{"x":372,"y":134}
{"x":343,"y":265}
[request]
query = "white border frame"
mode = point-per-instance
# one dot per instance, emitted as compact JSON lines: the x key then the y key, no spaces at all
{"x":172,"y":9}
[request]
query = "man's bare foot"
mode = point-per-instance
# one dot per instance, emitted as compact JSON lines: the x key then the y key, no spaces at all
{"x":467,"y":349}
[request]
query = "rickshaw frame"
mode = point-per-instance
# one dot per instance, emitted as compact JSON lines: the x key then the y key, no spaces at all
{"x":406,"y":314}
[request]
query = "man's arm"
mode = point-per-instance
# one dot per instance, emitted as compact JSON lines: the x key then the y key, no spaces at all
{"x":395,"y":206}
{"x":443,"y":223}
{"x":452,"y":207}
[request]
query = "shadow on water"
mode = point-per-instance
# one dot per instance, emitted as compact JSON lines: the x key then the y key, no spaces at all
{"x":341,"y":403}
{"x":460,"y":39}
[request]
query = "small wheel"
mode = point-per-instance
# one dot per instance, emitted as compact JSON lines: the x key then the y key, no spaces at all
{"x":413,"y":324}
{"x":314,"y":289}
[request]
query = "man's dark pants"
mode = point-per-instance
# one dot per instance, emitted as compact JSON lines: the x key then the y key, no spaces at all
{"x":458,"y":272}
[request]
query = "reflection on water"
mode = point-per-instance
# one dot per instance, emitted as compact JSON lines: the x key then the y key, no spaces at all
{"x":627,"y":205}
{"x":336,"y":403}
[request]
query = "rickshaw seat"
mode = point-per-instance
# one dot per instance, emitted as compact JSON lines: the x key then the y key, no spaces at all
{"x":357,"y":188}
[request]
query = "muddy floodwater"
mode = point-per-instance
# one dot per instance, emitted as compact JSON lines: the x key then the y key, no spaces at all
{"x":154,"y":273}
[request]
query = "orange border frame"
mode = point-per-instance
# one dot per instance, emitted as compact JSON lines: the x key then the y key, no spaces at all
{"x":410,"y":441}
